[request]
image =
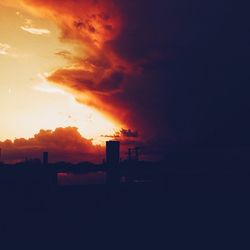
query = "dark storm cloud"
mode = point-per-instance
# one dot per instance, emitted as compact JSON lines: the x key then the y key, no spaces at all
{"x":129,"y":133}
{"x":194,"y":74}
{"x":123,"y":133}
{"x":174,"y":70}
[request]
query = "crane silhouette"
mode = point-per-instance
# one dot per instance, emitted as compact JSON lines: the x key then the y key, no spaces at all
{"x":135,"y":156}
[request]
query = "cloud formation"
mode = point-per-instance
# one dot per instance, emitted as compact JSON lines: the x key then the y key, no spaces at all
{"x":129,"y":133}
{"x":96,"y":74}
{"x":63,"y":144}
{"x":4,"y":48}
{"x":123,"y":133}
{"x":165,"y":68}
{"x":30,"y":27}
{"x":35,"y":31}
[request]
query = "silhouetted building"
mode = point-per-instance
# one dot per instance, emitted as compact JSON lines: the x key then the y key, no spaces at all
{"x":112,"y":161}
{"x":112,"y":152}
{"x":45,"y":158}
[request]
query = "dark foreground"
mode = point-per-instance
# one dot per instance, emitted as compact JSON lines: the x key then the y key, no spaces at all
{"x":129,"y":215}
{"x":175,"y":209}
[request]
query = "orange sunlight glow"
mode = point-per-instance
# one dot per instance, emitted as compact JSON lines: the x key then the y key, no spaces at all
{"x":28,"y":101}
{"x":90,"y":123}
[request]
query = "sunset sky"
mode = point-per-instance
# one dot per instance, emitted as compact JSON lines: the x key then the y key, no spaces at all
{"x":155,"y":74}
{"x":29,"y":102}
{"x":30,"y":49}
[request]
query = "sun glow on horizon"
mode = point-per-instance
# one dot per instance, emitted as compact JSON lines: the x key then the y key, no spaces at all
{"x":90,"y":123}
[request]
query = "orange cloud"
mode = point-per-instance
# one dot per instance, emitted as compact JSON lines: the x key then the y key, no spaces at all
{"x":63,"y":144}
{"x":88,"y":20}
{"x":116,"y":65}
{"x":95,"y":73}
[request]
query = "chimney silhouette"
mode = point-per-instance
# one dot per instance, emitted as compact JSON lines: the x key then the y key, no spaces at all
{"x":112,"y":152}
{"x":112,"y":162}
{"x":45,"y":158}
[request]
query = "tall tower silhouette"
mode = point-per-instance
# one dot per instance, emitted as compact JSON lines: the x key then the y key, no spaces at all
{"x":45,"y":158}
{"x":112,"y":152}
{"x":112,"y":161}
